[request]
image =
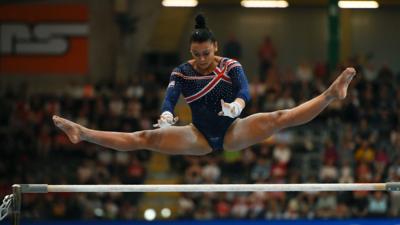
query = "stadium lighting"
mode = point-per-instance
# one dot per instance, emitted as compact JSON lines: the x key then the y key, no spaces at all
{"x":150,"y":214}
{"x":165,"y":212}
{"x":179,"y":3}
{"x":264,"y":3}
{"x":358,"y":4}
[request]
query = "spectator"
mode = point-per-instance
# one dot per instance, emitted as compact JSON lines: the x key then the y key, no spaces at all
{"x":326,"y":205}
{"x":186,"y":207}
{"x":342,"y":211}
{"x":274,"y":210}
{"x":365,"y":153}
{"x":232,"y":48}
{"x":211,"y":172}
{"x":261,"y":170}
{"x":329,"y":172}
{"x":304,"y":73}
{"x":346,"y":173}
{"x":292,"y":210}
{"x":286,"y":100}
{"x":267,"y":55}
{"x":240,"y":207}
{"x":193,"y":174}
{"x":222,"y":208}
{"x":256,"y":205}
{"x":359,"y":206}
{"x":377,"y":205}
{"x":330,"y":152}
{"x":135,"y":172}
{"x":282,"y":153}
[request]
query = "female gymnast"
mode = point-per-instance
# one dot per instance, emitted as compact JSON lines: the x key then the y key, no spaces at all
{"x":216,"y":90}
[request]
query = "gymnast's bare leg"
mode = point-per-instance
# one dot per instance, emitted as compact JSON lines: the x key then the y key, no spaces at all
{"x":172,"y":140}
{"x":255,"y":128}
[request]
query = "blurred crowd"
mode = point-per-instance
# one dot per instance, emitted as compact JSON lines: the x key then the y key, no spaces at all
{"x":35,"y":151}
{"x":354,"y":140}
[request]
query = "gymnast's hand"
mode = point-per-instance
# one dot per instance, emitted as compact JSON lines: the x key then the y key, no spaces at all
{"x":166,"y":120}
{"x":232,"y":109}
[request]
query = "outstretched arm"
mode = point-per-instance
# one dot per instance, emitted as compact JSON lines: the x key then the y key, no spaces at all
{"x":171,"y":97}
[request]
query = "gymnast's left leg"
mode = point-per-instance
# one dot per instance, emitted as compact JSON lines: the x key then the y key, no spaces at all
{"x":255,"y":128}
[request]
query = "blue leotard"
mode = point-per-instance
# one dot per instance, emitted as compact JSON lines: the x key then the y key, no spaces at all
{"x":203,"y":93}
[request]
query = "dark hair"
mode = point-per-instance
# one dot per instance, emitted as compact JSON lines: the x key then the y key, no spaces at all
{"x":201,"y":32}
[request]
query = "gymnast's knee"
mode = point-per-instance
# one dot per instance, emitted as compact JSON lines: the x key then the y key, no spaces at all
{"x":146,"y":139}
{"x":280,"y":118}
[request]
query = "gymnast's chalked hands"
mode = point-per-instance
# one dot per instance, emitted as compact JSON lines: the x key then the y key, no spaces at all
{"x":166,"y":120}
{"x":231,"y":110}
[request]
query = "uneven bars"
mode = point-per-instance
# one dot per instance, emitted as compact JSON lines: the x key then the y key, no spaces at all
{"x":46,"y":188}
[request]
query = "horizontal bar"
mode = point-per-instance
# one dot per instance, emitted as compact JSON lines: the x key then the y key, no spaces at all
{"x":33,"y":188}
{"x":44,"y":188}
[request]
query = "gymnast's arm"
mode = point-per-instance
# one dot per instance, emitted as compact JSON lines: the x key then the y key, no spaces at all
{"x":239,"y":79}
{"x":171,"y":97}
{"x":240,"y":83}
{"x":172,"y":94}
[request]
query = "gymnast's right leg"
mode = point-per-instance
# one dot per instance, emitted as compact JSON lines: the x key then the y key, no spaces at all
{"x":174,"y":140}
{"x":257,"y":127}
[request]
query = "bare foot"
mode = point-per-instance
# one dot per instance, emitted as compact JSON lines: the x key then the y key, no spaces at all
{"x":73,"y":130}
{"x":338,"y":89}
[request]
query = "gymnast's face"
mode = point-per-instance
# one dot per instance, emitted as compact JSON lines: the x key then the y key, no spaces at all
{"x":203,"y":53}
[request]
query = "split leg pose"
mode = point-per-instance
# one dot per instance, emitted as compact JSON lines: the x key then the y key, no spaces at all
{"x":188,"y":140}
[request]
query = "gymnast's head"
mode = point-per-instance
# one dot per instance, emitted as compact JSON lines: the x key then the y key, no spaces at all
{"x":203,"y":44}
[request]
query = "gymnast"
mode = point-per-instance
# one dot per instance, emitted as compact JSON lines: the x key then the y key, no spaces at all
{"x":216,"y":89}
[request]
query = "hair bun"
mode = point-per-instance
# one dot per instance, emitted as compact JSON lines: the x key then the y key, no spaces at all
{"x":200,"y":22}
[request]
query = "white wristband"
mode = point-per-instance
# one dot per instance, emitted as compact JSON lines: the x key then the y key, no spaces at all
{"x":237,"y":108}
{"x":167,"y":114}
{"x":232,"y":110}
{"x":166,"y":119}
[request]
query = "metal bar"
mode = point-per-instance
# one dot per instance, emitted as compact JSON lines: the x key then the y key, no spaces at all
{"x":219,"y":187}
{"x":16,"y":204}
{"x":393,"y":186}
{"x":33,"y":188}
